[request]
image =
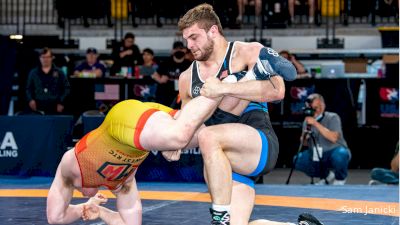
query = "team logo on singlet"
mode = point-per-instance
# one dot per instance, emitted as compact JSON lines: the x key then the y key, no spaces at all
{"x":115,"y":171}
{"x":196,"y":90}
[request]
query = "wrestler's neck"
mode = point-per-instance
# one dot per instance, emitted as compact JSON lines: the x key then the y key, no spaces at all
{"x":219,"y":52}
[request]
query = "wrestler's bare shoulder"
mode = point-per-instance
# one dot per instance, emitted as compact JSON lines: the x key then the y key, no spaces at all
{"x":184,"y":78}
{"x":69,"y":164}
{"x":247,"y":46}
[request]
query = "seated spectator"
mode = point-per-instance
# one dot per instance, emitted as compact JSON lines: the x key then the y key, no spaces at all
{"x":168,"y":73}
{"x":91,"y":67}
{"x":301,"y":71}
{"x":127,"y":54}
{"x":327,"y":155}
{"x":47,"y":86}
{"x":148,"y":90}
{"x":149,"y":67}
{"x":387,"y":176}
{"x":311,"y":10}
{"x":241,"y":6}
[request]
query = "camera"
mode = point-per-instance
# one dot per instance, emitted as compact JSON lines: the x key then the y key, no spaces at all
{"x":308,"y":111}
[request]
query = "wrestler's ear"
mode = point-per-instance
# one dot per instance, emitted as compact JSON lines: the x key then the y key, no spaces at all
{"x":213,"y":31}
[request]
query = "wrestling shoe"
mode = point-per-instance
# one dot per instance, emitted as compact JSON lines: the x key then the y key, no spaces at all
{"x":308,"y":219}
{"x":270,"y":63}
{"x":220,"y":218}
{"x":234,"y":77}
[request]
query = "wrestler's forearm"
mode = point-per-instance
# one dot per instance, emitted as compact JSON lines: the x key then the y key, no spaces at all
{"x":259,"y":91}
{"x":111,"y":217}
{"x":71,"y":214}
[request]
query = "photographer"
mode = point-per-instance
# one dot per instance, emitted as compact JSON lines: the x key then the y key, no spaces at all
{"x":327,"y":150}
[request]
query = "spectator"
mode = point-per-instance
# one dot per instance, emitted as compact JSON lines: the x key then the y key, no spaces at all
{"x":47,"y":86}
{"x":145,"y":72}
{"x":149,"y":67}
{"x":91,"y":67}
{"x":301,"y":71}
{"x":167,"y":74}
{"x":189,"y":55}
{"x":311,"y":10}
{"x":386,"y":176}
{"x":126,"y":55}
{"x":322,"y":133}
{"x":241,"y":7}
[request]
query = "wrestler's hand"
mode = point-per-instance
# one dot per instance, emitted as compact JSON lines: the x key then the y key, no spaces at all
{"x":90,"y":209}
{"x":97,"y":199}
{"x":90,"y":212}
{"x":171,"y":156}
{"x":211,"y":88}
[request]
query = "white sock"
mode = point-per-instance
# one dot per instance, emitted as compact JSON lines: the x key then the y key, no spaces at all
{"x":221,"y":208}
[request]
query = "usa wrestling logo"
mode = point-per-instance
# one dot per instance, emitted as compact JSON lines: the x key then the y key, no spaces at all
{"x":389,"y":102}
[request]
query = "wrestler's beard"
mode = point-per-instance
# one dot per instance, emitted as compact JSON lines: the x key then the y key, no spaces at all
{"x":207,"y":50}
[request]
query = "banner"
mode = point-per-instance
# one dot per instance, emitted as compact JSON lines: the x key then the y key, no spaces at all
{"x":33,"y":145}
{"x":188,"y":169}
{"x":389,"y":102}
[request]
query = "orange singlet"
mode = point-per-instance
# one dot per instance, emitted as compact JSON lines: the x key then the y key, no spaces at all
{"x":112,"y":152}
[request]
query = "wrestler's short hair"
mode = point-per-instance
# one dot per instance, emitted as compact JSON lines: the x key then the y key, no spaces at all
{"x":205,"y":17}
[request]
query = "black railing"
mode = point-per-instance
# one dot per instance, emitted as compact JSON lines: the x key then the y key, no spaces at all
{"x":9,"y":13}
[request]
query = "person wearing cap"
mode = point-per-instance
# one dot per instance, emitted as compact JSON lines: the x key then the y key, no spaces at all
{"x":91,"y":67}
{"x":327,"y":154}
{"x":168,"y":73}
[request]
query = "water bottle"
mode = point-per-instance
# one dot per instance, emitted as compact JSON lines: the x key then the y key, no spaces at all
{"x":129,"y":73}
{"x":361,"y":104}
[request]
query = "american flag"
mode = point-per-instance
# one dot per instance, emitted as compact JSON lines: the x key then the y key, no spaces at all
{"x":106,"y":92}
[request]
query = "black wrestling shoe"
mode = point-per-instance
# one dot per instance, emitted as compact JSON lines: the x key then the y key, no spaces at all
{"x":270,"y":62}
{"x":220,"y":218}
{"x":308,"y":219}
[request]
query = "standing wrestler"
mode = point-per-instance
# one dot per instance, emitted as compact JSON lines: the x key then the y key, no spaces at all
{"x":109,"y":156}
{"x":239,"y":141}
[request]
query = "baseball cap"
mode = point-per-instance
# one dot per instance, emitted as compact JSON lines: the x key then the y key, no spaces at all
{"x":91,"y":50}
{"x":178,"y":44}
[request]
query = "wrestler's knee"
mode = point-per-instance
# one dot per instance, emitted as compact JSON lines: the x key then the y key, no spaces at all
{"x":207,"y":137}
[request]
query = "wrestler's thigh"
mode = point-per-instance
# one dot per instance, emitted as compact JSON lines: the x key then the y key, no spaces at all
{"x":241,"y":144}
{"x":242,"y":203}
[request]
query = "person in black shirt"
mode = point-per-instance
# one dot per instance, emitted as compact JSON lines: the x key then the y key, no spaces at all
{"x":126,"y":55}
{"x":168,"y":73}
{"x":47,"y":86}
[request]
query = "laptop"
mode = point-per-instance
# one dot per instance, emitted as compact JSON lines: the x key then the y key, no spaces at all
{"x":332,"y":70}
